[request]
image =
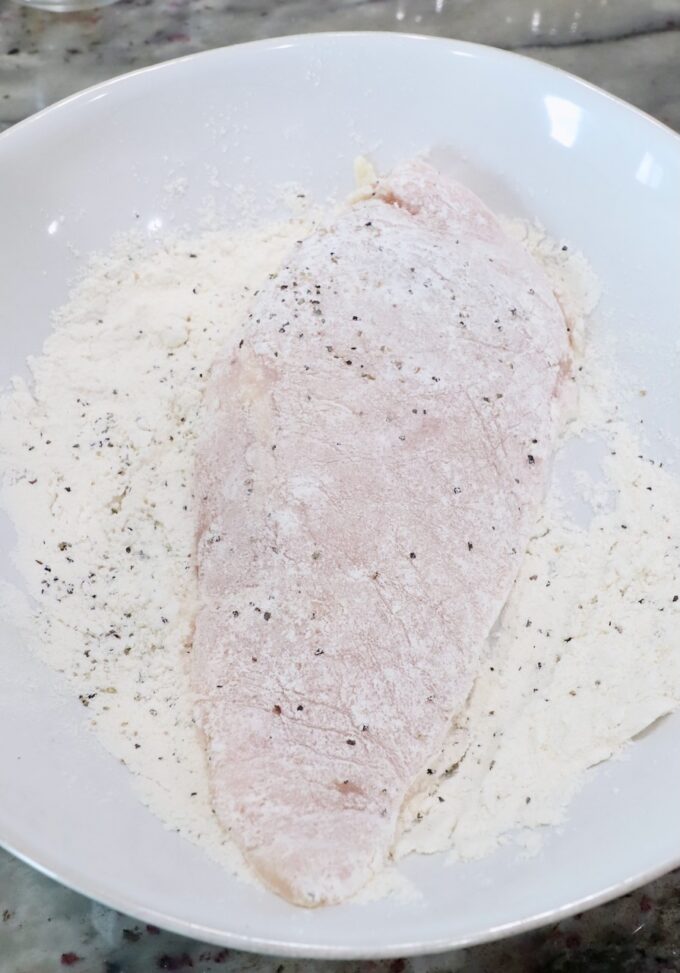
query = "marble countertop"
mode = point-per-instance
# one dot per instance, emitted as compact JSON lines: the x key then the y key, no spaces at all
{"x":45,"y":928}
{"x":628,"y":47}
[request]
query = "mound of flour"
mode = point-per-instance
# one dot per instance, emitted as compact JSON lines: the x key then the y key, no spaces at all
{"x":97,"y":456}
{"x":586,"y":654}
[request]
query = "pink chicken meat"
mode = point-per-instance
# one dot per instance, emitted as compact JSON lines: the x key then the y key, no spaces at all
{"x":377,"y":442}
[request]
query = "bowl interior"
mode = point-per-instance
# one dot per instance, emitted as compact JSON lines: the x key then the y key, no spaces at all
{"x":235,"y":124}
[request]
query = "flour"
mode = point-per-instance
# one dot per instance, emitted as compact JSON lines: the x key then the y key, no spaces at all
{"x":585,"y":655}
{"x":584,"y":658}
{"x":99,"y":453}
{"x":98,"y":457}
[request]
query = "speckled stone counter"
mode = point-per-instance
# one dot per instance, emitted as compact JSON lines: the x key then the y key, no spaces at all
{"x":628,"y":47}
{"x":45,"y":928}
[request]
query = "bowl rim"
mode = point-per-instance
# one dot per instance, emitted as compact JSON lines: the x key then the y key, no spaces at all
{"x":301,"y":39}
{"x":91,"y":887}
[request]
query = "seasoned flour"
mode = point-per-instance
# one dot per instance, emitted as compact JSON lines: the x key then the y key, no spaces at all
{"x":98,"y":457}
{"x":100,"y":454}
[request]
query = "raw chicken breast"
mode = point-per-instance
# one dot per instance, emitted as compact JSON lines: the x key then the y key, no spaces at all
{"x":376,"y":446}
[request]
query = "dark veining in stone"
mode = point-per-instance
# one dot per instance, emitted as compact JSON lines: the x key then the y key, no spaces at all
{"x":577,"y":40}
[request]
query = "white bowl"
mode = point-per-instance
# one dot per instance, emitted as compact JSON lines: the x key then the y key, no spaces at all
{"x":533,"y":141}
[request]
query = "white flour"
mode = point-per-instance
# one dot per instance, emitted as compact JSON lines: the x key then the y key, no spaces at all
{"x":585,"y":657}
{"x":98,"y":457}
{"x":100,"y":453}
{"x":586,"y":653}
